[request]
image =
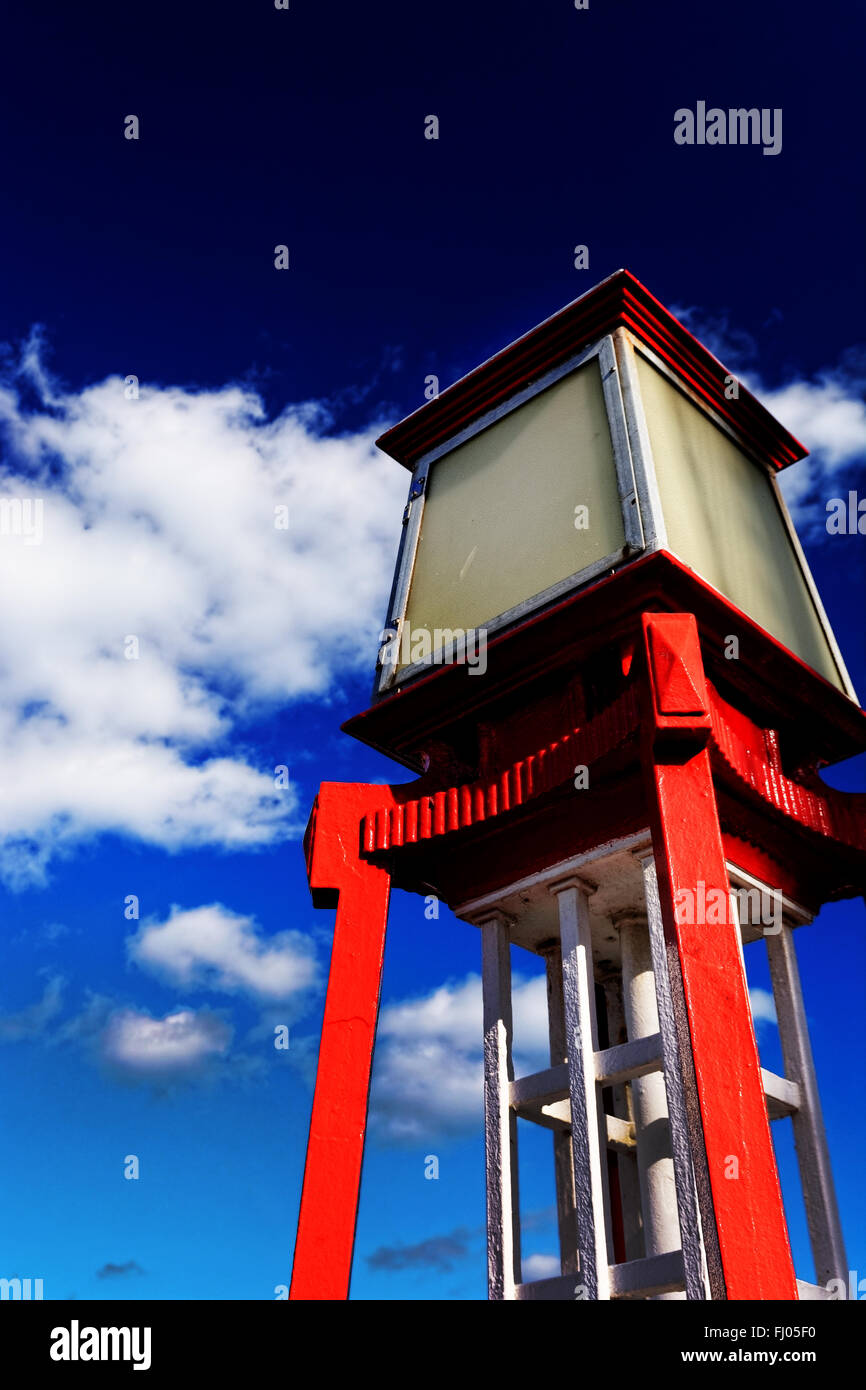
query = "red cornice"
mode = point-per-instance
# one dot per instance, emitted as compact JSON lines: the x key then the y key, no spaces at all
{"x":836,"y":816}
{"x":619,"y":301}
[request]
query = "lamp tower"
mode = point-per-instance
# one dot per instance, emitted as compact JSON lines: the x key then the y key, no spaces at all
{"x":609,"y":669}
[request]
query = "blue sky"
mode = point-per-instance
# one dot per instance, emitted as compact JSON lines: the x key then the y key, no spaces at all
{"x":154,"y":776}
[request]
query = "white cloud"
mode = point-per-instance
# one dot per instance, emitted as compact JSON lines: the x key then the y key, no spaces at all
{"x":427,"y":1074}
{"x":826,"y":412}
{"x":158,"y":523}
{"x":829,"y":416}
{"x":763,"y":1006}
{"x":540,"y":1267}
{"x":214,"y":948}
{"x":175,"y":1047}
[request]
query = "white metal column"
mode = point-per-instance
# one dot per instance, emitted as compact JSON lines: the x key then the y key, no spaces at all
{"x":588,"y":1146}
{"x":819,"y":1194}
{"x":688,"y":1212}
{"x":626,"y":1158}
{"x":563,"y":1161}
{"x":500,"y":1120}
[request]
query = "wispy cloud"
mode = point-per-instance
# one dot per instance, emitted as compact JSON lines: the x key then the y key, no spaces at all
{"x":436,"y":1252}
{"x":34,"y":1020}
{"x":113,"y":1271}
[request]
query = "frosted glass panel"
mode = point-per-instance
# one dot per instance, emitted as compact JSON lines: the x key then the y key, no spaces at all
{"x":723,"y":520}
{"x":499,"y":519}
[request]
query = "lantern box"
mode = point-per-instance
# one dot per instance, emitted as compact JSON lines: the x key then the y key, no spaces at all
{"x":604,"y":434}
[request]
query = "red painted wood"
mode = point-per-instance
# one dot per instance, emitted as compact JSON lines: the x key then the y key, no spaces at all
{"x":739,"y":747}
{"x":747,"y":1200}
{"x":332,"y":1173}
{"x":466,"y":833}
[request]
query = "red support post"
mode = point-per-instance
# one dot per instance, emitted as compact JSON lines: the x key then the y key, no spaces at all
{"x":332,"y":1173}
{"x":731,"y":1125}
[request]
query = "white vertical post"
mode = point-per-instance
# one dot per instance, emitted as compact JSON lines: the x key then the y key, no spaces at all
{"x":816,"y":1177}
{"x":500,"y":1121}
{"x":688,"y":1211}
{"x":563,"y":1161}
{"x":626,"y":1162}
{"x":588,"y":1148}
{"x":652,"y":1131}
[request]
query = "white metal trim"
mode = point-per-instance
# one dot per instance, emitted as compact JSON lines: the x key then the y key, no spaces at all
{"x":813,"y":590}
{"x":630,"y":498}
{"x":512,"y":615}
{"x":407,"y":551}
{"x":800,"y":915}
{"x":643,"y":463}
{"x":499,"y":412}
{"x":622,"y":457}
{"x":686,"y":390}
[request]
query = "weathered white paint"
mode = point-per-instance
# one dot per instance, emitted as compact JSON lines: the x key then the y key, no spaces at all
{"x":654,"y":1154}
{"x":588,"y":1139}
{"x":500,"y":1121}
{"x":819,"y":1193}
{"x":607,"y":1074}
{"x":696,"y":1279}
{"x":563,"y":1159}
{"x":655,"y":1276}
{"x":637,"y":1057}
{"x":645,"y":1278}
{"x":783,"y":1096}
{"x":540,"y":1088}
{"x":812,"y":1293}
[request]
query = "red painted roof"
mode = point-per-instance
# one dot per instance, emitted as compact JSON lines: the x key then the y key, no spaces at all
{"x":621,"y":300}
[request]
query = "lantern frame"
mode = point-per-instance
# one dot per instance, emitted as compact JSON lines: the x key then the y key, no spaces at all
{"x":642,"y":513}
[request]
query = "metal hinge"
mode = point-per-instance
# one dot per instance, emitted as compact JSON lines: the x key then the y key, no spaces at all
{"x":416,"y":490}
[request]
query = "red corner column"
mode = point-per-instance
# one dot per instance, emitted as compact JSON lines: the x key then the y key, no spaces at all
{"x":335,"y":1148}
{"x":728,"y":1114}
